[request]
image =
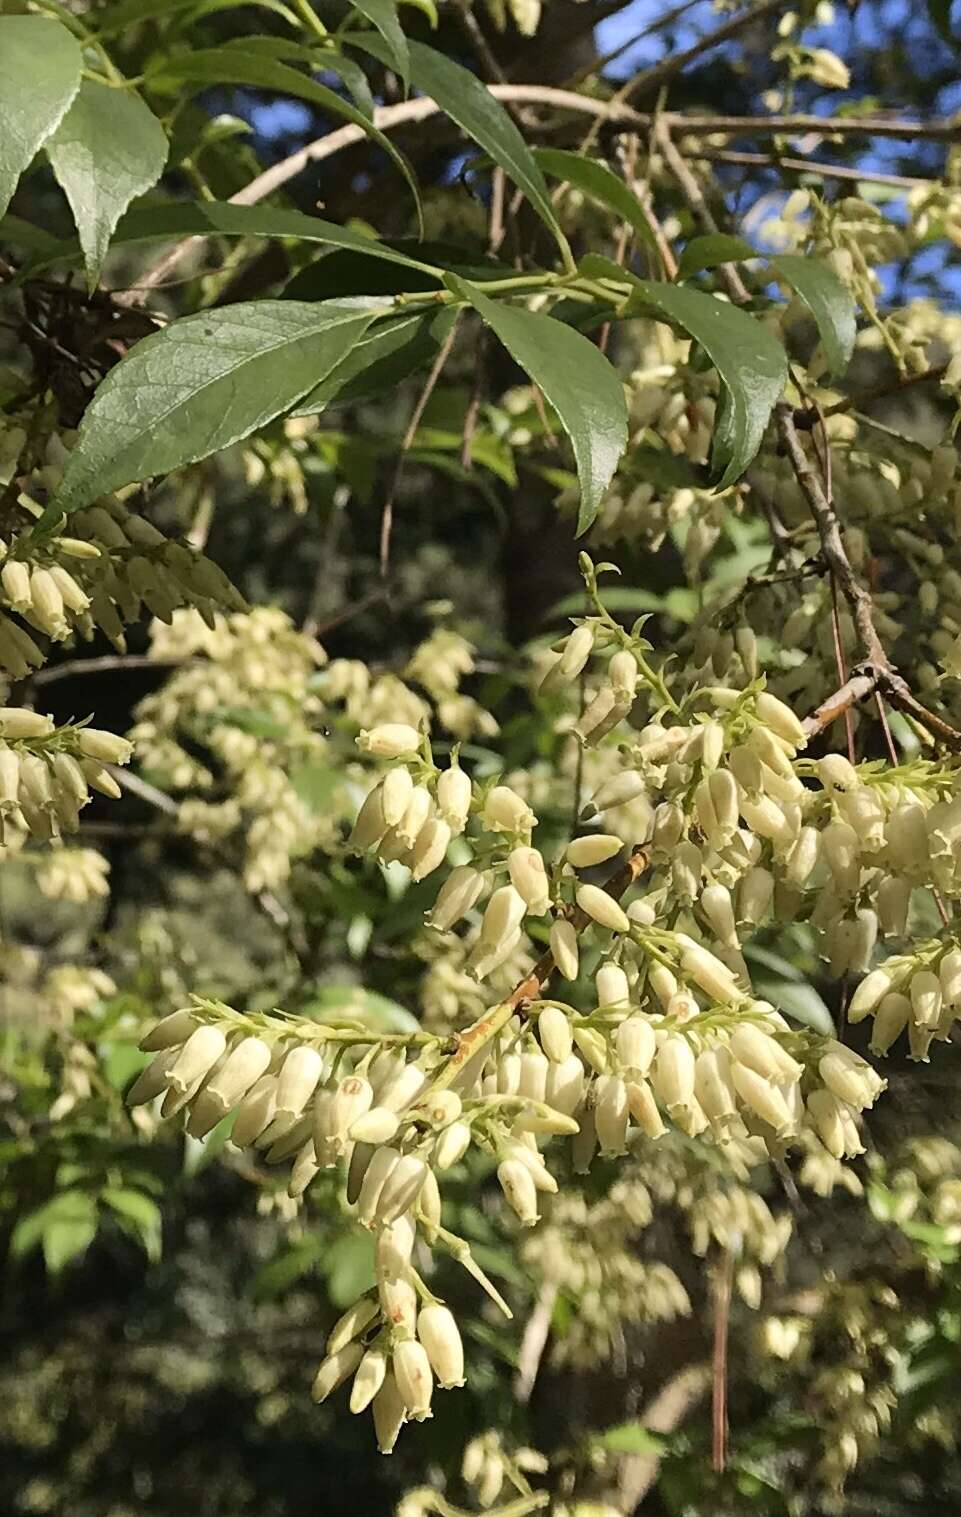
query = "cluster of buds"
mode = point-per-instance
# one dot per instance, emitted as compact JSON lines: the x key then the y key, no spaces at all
{"x":47,"y":773}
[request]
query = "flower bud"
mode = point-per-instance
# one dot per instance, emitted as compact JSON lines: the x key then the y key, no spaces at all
{"x":458,"y":895}
{"x":716,"y":905}
{"x":618,"y":791}
{"x":415,"y":816}
{"x":15,"y":582}
{"x":565,"y":1085}
{"x":724,"y":799}
{"x":686,"y":865}
{"x":756,"y":1050}
{"x":106,"y":747}
{"x":401,"y":1187}
{"x":529,"y":878}
{"x":390,"y":1414}
{"x":602,"y":908}
{"x":197,"y":1057}
{"x":154,"y":1079}
{"x":414,"y":1379}
{"x":398,"y":1302}
{"x":335,"y":1369}
{"x":430,"y":849}
{"x":622,"y":671}
{"x":673,"y":1072}
{"x":707,"y":971}
{"x":662,"y":982}
{"x":505,"y":811}
{"x":893,"y":897}
{"x":17,"y":722}
{"x":350,"y":1100}
{"x":869,"y":994}
{"x":949,"y":973}
{"x":636,"y":1044}
{"x":596,"y":848}
{"x":668,"y":827}
{"x":170,"y":1031}
{"x":503,"y":916}
{"x":454,"y":797}
{"x":643,"y":1108}
{"x":611,"y":1113}
{"x":713,"y":1087}
{"x":517,"y":1183}
{"x":379,"y":1167}
{"x":554,"y":1033}
{"x":533,"y":1075}
{"x":890,"y":1019}
{"x":906,"y":836}
{"x":642,"y":913}
{"x":563,"y":946}
{"x":255,"y":1112}
{"x":593,"y":1046}
{"x":781,"y":719}
{"x":842,"y":850}
{"x":375,"y":1126}
{"x":368,"y":1379}
{"x":394,"y":1247}
{"x":245,"y":1064}
{"x":391,"y":740}
{"x":836,"y":773}
{"x":451,"y":1146}
{"x":354,"y":1321}
{"x":824,"y":1111}
{"x":396,"y":790}
{"x":850,"y":1078}
{"x":371,"y":823}
{"x":438,"y":1333}
{"x":763,"y":1098}
{"x":611,"y":985}
{"x":298,"y":1078}
{"x":925,"y":992}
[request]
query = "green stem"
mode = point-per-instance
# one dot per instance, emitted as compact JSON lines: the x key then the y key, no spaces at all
{"x":311,"y":20}
{"x":84,"y":35}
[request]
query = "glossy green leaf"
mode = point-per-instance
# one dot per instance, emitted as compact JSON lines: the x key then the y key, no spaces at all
{"x":223,"y":66}
{"x":829,"y":301}
{"x":108,"y":149}
{"x":462,"y":97}
{"x":600,"y":183}
{"x":217,"y":218}
{"x":577,"y":380}
{"x":383,"y":15}
{"x":713,"y":249}
{"x":198,"y":386}
{"x":384,"y":356}
{"x":40,"y":65}
{"x":750,"y":362}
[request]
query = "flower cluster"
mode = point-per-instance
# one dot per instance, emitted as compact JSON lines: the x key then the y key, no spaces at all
{"x":47,"y":773}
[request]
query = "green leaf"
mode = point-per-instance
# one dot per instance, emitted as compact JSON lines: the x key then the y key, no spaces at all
{"x":750,"y":362}
{"x":316,"y":785}
{"x":577,"y":380}
{"x":829,"y":301}
{"x":707,"y":252}
{"x":223,"y":66}
{"x":198,"y":386}
{"x":40,"y":67}
{"x":384,"y":356}
{"x":599,"y":182}
{"x":462,"y":97}
{"x":630,"y":1438}
{"x":279,"y":1273}
{"x":23,"y":234}
{"x":107,"y":149}
{"x":799,"y":1000}
{"x":383,"y":15}
{"x":217,"y":218}
{"x":139,"y":1215}
{"x":350,"y":1267}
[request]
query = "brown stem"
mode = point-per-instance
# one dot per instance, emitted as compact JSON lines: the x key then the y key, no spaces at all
{"x":809,"y":166}
{"x":693,"y":194}
{"x":387,"y":515}
{"x":723,"y":1281}
{"x":653,"y":78}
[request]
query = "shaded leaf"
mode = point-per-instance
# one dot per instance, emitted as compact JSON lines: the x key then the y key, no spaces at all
{"x":201,"y":384}
{"x":223,"y":66}
{"x":384,"y":356}
{"x":40,"y":65}
{"x":577,"y":380}
{"x":279,"y":1273}
{"x":139,"y":1215}
{"x":709,"y":251}
{"x":217,"y":218}
{"x":599,"y":182}
{"x":108,"y":149}
{"x":350,"y":1267}
{"x":383,"y":15}
{"x":462,"y":97}
{"x":829,"y":301}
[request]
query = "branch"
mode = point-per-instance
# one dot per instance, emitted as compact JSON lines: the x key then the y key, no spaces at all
{"x":809,"y":166}
{"x":653,"y":78}
{"x":699,"y":208}
{"x":534,"y":1342}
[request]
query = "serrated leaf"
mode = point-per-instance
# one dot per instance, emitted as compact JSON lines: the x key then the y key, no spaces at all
{"x":108,"y":149}
{"x":578,"y":382}
{"x":40,"y":65}
{"x":600,"y":183}
{"x":218,"y":218}
{"x":829,"y":301}
{"x":462,"y":97}
{"x":201,"y":384}
{"x":713,"y":249}
{"x":222,"y":66}
{"x":383,"y":15}
{"x":750,"y":362}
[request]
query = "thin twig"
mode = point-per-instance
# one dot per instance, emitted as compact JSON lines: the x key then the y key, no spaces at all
{"x":108,"y":663}
{"x":534,"y":1342}
{"x":603,"y":60}
{"x":652,"y":78}
{"x":723,"y":1281}
{"x":387,"y":515}
{"x":693,"y":194}
{"x":810,"y":166}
